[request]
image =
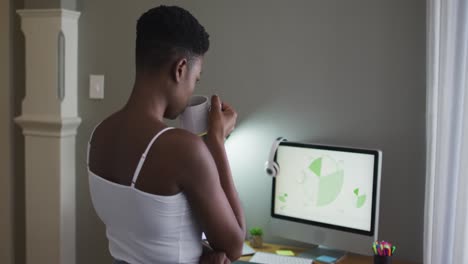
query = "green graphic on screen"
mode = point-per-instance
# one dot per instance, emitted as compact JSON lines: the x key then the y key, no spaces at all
{"x":330,"y":175}
{"x":360,"y":199}
{"x":283,"y":199}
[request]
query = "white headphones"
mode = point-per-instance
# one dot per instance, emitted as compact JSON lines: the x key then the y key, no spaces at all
{"x":271,"y":167}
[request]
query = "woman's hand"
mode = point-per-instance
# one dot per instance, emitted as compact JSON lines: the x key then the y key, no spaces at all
{"x":213,"y":257}
{"x":222,"y":118}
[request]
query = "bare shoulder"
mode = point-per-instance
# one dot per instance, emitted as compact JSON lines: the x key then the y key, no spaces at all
{"x":191,"y":154}
{"x":182,"y":141}
{"x":185,"y":147}
{"x":106,"y":129}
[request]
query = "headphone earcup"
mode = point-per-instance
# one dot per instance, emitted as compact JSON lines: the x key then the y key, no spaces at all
{"x":276,"y":168}
{"x":269,"y":168}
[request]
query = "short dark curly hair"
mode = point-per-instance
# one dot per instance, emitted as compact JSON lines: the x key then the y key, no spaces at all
{"x":165,"y":33}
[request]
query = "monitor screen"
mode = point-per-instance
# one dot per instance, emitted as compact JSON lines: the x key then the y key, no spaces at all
{"x":326,"y":186}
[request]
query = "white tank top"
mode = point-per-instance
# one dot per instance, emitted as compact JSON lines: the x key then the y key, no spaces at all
{"x":144,"y":228}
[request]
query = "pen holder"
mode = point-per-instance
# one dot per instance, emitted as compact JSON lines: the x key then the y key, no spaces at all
{"x":382,"y":259}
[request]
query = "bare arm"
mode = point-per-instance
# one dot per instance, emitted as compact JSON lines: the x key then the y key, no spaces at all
{"x":216,"y":148}
{"x":205,"y":178}
{"x":222,"y":121}
{"x":200,"y":181}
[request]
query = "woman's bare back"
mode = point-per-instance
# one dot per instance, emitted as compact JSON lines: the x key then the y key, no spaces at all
{"x":117,"y":146}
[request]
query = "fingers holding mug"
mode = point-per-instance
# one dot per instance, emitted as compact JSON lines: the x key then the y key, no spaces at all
{"x":222,"y":118}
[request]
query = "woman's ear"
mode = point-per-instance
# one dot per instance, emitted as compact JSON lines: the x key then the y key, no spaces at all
{"x":180,"y":70}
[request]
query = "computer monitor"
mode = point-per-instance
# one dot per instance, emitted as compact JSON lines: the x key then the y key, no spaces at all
{"x":327,"y":196}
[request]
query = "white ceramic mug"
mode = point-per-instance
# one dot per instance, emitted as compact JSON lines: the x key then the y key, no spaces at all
{"x":195,"y":116}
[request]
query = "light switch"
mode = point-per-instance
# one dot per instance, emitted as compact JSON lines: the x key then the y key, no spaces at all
{"x":96,"y":86}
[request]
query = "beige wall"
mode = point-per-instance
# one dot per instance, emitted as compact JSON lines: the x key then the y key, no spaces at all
{"x":45,"y":4}
{"x":339,"y":72}
{"x":6,"y":160}
{"x":18,"y":92}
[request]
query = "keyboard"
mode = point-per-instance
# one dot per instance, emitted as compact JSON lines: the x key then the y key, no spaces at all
{"x":269,"y":258}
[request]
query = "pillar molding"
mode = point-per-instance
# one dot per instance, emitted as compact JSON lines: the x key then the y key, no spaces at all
{"x":49,"y":121}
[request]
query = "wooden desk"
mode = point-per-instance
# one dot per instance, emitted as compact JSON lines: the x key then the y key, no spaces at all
{"x":350,"y":258}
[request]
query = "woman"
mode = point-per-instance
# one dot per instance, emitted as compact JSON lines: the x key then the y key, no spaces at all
{"x":157,"y":188}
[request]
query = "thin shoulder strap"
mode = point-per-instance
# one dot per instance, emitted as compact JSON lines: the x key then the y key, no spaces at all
{"x":89,"y":143}
{"x":143,"y":156}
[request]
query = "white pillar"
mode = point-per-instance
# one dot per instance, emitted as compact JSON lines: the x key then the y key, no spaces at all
{"x":49,"y":121}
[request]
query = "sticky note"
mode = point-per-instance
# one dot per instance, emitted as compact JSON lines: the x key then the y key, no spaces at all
{"x":326,"y":259}
{"x":285,"y":252}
